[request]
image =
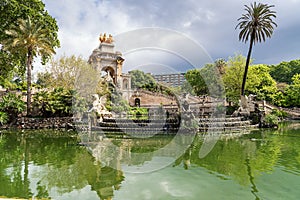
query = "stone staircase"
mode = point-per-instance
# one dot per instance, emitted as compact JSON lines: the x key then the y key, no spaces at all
{"x":143,"y":126}
{"x":225,"y":124}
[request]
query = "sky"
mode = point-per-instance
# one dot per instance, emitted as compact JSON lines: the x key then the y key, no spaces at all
{"x":210,"y":24}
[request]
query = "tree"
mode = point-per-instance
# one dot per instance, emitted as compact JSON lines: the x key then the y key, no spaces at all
{"x":73,"y":73}
{"x":257,"y":24}
{"x":261,"y":83}
{"x":10,"y":12}
{"x":293,"y":92}
{"x":196,"y":82}
{"x":233,"y":78}
{"x":139,"y":79}
{"x":30,"y":39}
{"x":284,"y":71}
{"x":207,"y":80}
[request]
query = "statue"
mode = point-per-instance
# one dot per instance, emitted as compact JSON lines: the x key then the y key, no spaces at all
{"x":120,"y":60}
{"x":99,"y":108}
{"x":102,"y":38}
{"x":109,"y":78}
{"x":105,"y":39}
{"x":109,"y":39}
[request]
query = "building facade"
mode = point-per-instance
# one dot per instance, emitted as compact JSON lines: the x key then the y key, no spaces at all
{"x":173,"y":80}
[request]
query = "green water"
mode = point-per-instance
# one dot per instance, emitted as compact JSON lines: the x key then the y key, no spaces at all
{"x":51,"y":165}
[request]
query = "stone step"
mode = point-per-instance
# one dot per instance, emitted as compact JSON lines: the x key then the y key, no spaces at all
{"x":118,"y":129}
{"x":112,"y":120}
{"x":137,"y":125}
{"x":224,"y":124}
{"x":226,"y":119}
{"x":223,"y":129}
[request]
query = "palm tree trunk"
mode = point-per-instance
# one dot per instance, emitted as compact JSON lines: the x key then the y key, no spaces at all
{"x":29,"y":66}
{"x":247,"y":63}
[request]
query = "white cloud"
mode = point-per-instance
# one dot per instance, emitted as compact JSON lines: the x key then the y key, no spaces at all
{"x":209,"y":22}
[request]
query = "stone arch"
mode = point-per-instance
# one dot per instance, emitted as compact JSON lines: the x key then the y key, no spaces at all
{"x":111,"y":74}
{"x":125,"y":84}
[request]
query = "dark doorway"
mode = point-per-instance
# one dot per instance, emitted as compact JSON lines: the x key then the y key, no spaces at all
{"x":137,"y":102}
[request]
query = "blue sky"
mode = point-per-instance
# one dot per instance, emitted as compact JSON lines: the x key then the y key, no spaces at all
{"x":210,"y":23}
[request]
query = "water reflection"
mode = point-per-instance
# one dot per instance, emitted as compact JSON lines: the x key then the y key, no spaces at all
{"x":52,"y":165}
{"x":40,"y":164}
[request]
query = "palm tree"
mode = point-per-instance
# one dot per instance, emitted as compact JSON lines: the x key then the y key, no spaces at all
{"x":30,"y":39}
{"x":257,"y":24}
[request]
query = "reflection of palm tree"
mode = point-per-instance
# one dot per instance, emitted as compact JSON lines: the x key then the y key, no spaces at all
{"x":257,"y":24}
{"x":251,"y":178}
{"x":26,"y":165}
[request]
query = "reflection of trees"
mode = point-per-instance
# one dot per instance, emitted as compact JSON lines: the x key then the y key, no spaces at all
{"x":62,"y":166}
{"x":242,"y":159}
{"x":13,"y":173}
{"x":290,"y":154}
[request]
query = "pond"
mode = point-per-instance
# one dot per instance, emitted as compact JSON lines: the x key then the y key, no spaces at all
{"x":263,"y":164}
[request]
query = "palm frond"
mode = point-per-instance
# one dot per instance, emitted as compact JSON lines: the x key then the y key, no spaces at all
{"x":257,"y":22}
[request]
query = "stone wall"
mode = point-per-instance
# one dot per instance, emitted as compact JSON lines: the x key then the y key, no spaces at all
{"x":45,"y":123}
{"x":148,"y":98}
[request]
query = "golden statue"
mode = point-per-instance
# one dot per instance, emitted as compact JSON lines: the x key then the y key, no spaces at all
{"x":120,"y":60}
{"x":102,"y":38}
{"x":108,"y":40}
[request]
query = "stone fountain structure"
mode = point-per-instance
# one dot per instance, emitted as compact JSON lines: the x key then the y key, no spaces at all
{"x":106,"y":59}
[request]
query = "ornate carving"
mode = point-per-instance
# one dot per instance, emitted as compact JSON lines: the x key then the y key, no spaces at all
{"x":120,"y":60}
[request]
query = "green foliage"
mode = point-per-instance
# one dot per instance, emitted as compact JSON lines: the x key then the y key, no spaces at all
{"x":137,"y":112}
{"x":11,"y":106}
{"x":44,"y":79}
{"x":73,"y":73}
{"x":58,"y":103}
{"x":3,"y":117}
{"x":233,"y":77}
{"x":271,"y":120}
{"x":196,"y":82}
{"x":116,"y":103}
{"x":11,"y":11}
{"x":261,"y":83}
{"x":256,"y":24}
{"x":12,"y":103}
{"x":292,"y":93}
{"x":279,"y":113}
{"x":284,"y":71}
{"x":29,"y":39}
{"x":139,"y":79}
{"x":206,"y":80}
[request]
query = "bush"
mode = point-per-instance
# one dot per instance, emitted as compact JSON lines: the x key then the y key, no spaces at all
{"x":279,"y":113}
{"x":3,"y":118}
{"x":57,"y":103}
{"x":138,"y":112}
{"x":10,"y":107}
{"x":271,"y":120}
